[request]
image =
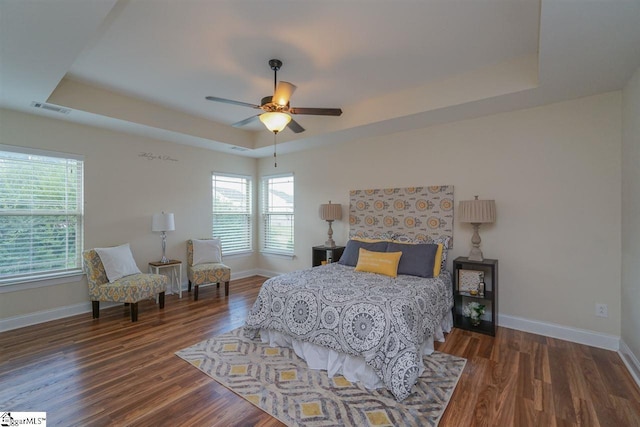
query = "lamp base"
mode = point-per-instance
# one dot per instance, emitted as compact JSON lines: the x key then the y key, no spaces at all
{"x":475,"y":255}
{"x":330,"y":243}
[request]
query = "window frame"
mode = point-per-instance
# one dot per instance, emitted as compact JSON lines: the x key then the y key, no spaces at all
{"x":248,"y":213}
{"x":37,"y":279}
{"x":265,"y":216}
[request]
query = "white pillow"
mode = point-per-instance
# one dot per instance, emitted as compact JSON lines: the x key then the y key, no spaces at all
{"x":206,"y":251}
{"x":118,"y":262}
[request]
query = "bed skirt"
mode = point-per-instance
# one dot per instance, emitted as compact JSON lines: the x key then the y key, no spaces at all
{"x":352,"y":368}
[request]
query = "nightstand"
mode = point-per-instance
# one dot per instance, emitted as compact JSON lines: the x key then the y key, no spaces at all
{"x":175,"y":275}
{"x":488,"y":270}
{"x":327,"y":254}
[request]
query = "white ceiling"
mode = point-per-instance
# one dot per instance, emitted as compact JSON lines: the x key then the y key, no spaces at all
{"x":145,"y":66}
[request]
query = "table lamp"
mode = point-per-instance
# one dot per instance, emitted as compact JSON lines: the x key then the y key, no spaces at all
{"x":477,"y":212}
{"x":330,"y":212}
{"x":163,"y":222}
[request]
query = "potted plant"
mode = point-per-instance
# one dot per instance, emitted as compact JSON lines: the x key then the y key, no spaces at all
{"x":474,"y":311}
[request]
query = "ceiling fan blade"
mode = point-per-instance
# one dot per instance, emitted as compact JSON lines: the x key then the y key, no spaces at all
{"x":283,"y":93}
{"x":231,"y":101}
{"x":245,"y":121}
{"x":295,"y":126}
{"x":317,"y":111}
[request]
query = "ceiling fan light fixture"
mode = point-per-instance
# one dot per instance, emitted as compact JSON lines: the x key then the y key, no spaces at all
{"x":275,"y":121}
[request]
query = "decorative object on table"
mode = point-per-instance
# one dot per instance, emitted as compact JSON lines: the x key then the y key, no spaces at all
{"x":477,"y":212}
{"x":469,"y":281}
{"x":298,"y":395}
{"x":163,"y":222}
{"x":330,"y":212}
{"x":481,"y":288}
{"x":474,"y":310}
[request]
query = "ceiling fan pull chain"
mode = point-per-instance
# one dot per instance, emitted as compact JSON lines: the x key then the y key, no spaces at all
{"x":275,"y":160}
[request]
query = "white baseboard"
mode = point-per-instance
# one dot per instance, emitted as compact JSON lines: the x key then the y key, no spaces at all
{"x":631,"y":361}
{"x":567,"y":333}
{"x":46,"y":315}
{"x":85,"y":307}
{"x":267,"y":273}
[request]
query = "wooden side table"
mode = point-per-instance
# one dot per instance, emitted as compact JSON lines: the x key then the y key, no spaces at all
{"x":175,"y":275}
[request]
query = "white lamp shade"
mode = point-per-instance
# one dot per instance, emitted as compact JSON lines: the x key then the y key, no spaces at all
{"x":275,"y":121}
{"x":330,"y":212}
{"x":163,"y":222}
{"x":477,"y":211}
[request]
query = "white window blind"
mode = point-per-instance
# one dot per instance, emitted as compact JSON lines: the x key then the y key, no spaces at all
{"x":278,"y":214}
{"x":41,"y":215}
{"x":232,"y":212}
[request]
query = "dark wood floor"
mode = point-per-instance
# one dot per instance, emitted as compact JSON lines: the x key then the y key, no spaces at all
{"x":111,"y":372}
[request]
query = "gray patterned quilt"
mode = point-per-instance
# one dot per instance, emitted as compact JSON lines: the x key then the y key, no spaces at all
{"x":382,"y":319}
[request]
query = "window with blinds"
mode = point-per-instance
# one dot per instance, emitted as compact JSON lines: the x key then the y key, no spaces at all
{"x":41,"y":214}
{"x":232,"y":212}
{"x":278,"y":214}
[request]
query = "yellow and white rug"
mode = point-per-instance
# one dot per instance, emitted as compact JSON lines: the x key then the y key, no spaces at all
{"x":280,"y":383}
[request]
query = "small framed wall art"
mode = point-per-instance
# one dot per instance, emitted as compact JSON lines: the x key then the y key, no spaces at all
{"x":469,"y":280}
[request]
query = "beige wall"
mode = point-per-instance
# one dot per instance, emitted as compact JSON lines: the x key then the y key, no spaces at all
{"x":631,"y":215}
{"x":122,"y":192}
{"x":554,"y":171}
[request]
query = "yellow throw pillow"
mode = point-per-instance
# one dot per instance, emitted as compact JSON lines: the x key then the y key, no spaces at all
{"x":367,"y":240}
{"x":379,"y":262}
{"x":437,"y":264}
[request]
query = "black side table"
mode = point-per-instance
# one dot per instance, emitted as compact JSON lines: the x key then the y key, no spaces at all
{"x":326,"y":254}
{"x":489,"y":269}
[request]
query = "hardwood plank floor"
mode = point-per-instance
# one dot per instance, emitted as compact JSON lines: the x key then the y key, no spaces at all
{"x":111,"y":372}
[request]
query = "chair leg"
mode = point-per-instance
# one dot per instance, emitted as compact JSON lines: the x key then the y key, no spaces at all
{"x":134,"y":312}
{"x":161,"y":298}
{"x":195,"y":292}
{"x":226,"y":288}
{"x":96,"y":309}
{"x":189,"y":288}
{"x":218,"y":285}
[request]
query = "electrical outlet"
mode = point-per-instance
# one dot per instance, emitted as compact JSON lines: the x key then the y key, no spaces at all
{"x":601,"y":310}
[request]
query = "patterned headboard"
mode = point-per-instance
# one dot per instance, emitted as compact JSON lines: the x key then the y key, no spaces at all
{"x":416,"y":214}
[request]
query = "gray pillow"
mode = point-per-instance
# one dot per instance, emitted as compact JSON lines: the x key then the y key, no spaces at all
{"x":416,"y":260}
{"x":352,"y":251}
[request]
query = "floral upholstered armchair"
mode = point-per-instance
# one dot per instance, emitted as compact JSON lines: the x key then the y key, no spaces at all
{"x":129,"y":289}
{"x":206,"y":266}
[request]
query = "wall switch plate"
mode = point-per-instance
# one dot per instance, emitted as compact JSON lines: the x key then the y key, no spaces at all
{"x":601,"y":310}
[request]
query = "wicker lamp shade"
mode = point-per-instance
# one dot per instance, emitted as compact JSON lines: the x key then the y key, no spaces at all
{"x":477,"y":212}
{"x":330,"y":212}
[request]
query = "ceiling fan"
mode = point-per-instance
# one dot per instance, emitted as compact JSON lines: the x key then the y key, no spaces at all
{"x":276,"y":109}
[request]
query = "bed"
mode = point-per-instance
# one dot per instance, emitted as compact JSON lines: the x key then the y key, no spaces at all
{"x":371,"y":328}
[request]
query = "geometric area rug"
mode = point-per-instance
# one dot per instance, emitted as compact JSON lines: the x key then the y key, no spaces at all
{"x":277,"y":381}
